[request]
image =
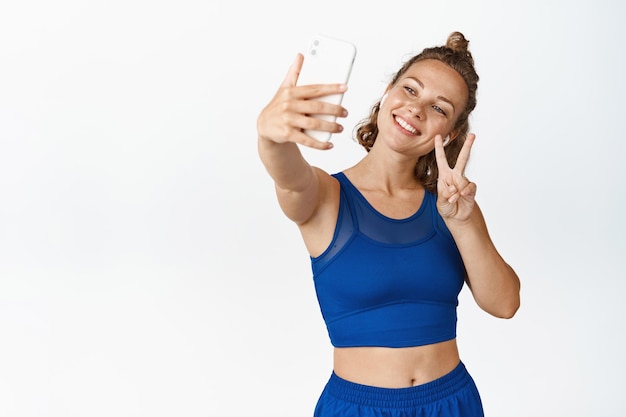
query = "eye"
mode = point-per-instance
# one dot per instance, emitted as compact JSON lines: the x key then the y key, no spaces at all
{"x":439,"y":110}
{"x":409,"y":90}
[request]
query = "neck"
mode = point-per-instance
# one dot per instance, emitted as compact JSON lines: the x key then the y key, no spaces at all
{"x":389,"y":173}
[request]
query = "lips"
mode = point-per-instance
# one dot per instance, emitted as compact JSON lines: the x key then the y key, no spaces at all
{"x":406,"y":126}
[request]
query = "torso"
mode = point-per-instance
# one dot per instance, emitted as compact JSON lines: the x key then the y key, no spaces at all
{"x":379,"y":366}
{"x":396,"y":368}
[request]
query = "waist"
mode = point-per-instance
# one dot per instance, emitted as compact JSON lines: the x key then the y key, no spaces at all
{"x":396,"y":367}
{"x":397,"y":324}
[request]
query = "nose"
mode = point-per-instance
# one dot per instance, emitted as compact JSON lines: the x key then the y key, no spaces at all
{"x":417,"y":109}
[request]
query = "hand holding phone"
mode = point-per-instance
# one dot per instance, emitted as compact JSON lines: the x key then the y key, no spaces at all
{"x":326,"y":61}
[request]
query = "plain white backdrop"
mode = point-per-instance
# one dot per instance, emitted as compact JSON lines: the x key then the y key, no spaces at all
{"x":146,"y":269}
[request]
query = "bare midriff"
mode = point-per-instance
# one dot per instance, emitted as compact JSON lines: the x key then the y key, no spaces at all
{"x":396,"y":367}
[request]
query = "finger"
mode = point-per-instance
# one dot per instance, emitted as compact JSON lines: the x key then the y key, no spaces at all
{"x":440,"y":154}
{"x":306,"y":140}
{"x":469,"y":190}
{"x":318,"y":107}
{"x":448,"y":192}
{"x":312,"y":91}
{"x":300,"y":123}
{"x":294,"y":72}
{"x":464,"y":155}
{"x":314,"y":123}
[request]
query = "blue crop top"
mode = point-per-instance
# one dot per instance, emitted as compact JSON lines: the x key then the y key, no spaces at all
{"x":387,"y":282}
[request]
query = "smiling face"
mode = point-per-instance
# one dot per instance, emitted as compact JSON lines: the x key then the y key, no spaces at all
{"x":425,"y":101}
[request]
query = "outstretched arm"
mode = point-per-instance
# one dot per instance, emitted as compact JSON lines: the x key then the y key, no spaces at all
{"x":494,"y":284}
{"x":280,"y":129}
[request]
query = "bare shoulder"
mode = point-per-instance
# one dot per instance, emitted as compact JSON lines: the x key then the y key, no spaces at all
{"x":328,"y":183}
{"x":318,"y":230}
{"x":328,"y":192}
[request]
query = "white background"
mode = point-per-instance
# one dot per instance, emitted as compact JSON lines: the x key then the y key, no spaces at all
{"x":145,"y":267}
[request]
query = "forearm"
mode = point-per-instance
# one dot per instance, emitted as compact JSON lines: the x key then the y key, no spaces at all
{"x":285,"y":164}
{"x":494,"y":284}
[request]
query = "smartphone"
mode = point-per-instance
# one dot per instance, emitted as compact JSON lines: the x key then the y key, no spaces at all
{"x":326,"y":61}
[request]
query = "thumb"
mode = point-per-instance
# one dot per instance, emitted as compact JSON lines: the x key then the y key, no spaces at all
{"x":294,"y":72}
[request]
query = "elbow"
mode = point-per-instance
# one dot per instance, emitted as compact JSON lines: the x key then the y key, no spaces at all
{"x":502,"y":307}
{"x":501,"y":300}
{"x":506,"y":310}
{"x":508,"y":313}
{"x":508,"y":302}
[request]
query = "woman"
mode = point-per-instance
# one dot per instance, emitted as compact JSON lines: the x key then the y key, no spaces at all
{"x":393,"y":238}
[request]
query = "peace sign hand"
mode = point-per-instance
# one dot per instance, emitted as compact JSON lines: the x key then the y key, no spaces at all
{"x":455,"y":200}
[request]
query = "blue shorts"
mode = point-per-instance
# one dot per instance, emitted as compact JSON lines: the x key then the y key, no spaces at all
{"x":452,"y":395}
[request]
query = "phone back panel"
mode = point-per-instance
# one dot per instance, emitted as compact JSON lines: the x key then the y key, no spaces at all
{"x":327,"y":61}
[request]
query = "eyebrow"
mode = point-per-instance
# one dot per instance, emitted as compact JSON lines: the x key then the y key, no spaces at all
{"x":442,"y":98}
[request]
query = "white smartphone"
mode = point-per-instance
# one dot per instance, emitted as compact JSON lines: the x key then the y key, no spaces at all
{"x":326,"y":61}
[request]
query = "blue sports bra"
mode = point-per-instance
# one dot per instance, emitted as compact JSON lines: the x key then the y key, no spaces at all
{"x":387,"y":282}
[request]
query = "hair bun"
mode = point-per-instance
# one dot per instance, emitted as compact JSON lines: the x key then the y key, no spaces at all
{"x":457,"y":42}
{"x":459,"y":45}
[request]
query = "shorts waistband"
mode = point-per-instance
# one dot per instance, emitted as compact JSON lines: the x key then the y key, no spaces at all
{"x":418,"y":395}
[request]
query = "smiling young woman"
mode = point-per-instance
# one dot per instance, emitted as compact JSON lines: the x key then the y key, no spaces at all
{"x":425,"y":101}
{"x":392,"y":239}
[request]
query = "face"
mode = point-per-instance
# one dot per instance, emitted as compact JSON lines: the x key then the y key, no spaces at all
{"x":425,"y":101}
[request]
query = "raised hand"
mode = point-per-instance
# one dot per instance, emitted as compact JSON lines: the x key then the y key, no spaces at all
{"x":455,"y":192}
{"x":288,"y":113}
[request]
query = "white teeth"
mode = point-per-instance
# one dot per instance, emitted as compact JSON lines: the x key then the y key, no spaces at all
{"x":406,"y":125}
